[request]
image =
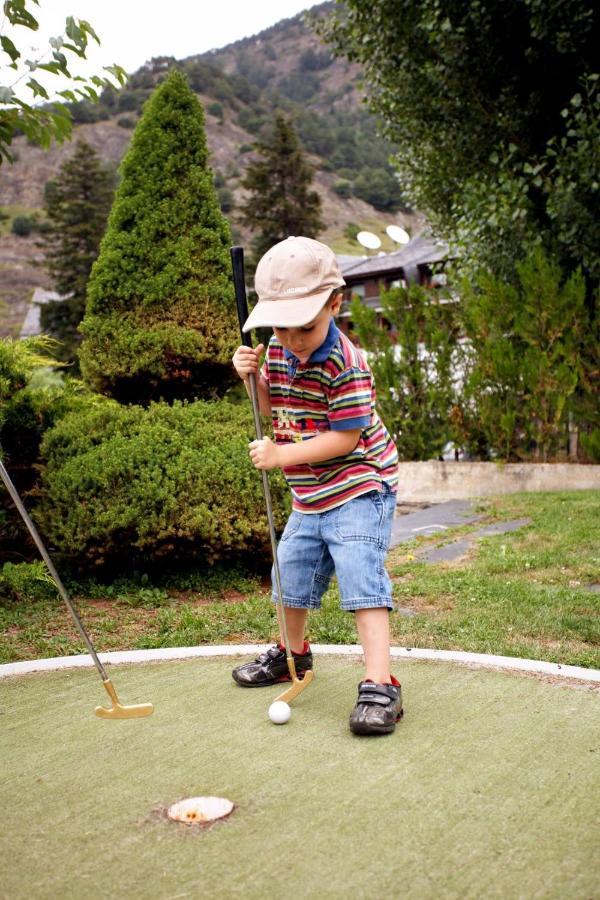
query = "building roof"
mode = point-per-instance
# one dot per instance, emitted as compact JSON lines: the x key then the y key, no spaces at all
{"x":419,"y":251}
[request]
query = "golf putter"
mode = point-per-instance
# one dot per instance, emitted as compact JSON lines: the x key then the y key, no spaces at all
{"x":297,"y":686}
{"x":116,"y":710}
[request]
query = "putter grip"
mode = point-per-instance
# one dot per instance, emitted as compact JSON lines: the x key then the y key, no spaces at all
{"x":237,"y":264}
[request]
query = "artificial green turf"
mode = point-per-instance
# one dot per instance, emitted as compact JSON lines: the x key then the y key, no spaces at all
{"x":487,"y":789}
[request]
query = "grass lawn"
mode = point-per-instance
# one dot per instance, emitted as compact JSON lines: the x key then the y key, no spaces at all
{"x":486,"y":790}
{"x":520,"y":594}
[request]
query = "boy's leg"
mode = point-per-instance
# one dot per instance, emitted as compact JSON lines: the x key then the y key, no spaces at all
{"x":373,"y":627}
{"x":296,"y":626}
{"x":379,"y":703}
{"x":358,"y":538}
{"x":305,"y":566}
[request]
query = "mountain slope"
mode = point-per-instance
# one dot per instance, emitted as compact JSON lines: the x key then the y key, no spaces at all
{"x":285,"y":68}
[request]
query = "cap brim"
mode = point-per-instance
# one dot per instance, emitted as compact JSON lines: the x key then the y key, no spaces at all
{"x":286,"y":313}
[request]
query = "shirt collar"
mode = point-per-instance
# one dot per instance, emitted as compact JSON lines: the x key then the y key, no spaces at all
{"x":321,"y":353}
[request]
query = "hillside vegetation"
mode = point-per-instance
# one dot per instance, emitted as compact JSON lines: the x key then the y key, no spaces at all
{"x":284,"y":69}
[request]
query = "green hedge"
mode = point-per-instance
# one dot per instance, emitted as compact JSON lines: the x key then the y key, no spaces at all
{"x":166,"y":484}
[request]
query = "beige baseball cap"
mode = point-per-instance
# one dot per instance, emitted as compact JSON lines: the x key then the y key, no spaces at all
{"x":294,"y":280}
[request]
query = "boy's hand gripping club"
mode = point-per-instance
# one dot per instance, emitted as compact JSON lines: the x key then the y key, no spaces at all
{"x":237,"y":262}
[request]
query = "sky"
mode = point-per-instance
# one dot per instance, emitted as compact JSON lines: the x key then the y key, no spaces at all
{"x":133,"y":31}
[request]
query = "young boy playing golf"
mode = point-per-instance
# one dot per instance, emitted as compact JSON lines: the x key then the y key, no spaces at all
{"x":339,"y":461}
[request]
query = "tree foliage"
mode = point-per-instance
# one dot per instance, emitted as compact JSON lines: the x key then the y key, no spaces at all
{"x":77,"y":205}
{"x":414,"y":367}
{"x":53,"y":120}
{"x":533,"y":370}
{"x":509,"y":372}
{"x":280,"y":202}
{"x":494,"y":107}
{"x":159,"y":318}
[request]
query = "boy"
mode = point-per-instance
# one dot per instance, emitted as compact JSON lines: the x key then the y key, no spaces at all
{"x":340,"y":464}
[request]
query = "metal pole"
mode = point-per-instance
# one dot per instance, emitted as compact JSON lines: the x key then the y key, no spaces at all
{"x":270,"y":518}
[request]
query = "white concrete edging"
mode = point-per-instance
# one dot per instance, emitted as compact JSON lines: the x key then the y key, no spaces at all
{"x":484,"y":660}
{"x":437,"y":482}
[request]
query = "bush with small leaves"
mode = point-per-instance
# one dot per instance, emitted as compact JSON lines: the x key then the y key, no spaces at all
{"x":343,"y":189}
{"x":216,"y":110}
{"x":33,"y":396}
{"x":22,"y":226}
{"x":160,"y":314}
{"x":166,"y":484}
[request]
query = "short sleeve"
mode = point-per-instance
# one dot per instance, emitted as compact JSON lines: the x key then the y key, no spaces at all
{"x":350,"y":400}
{"x":264,"y":372}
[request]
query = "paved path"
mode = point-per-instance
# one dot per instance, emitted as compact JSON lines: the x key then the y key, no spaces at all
{"x":439,"y":519}
{"x":434,"y":519}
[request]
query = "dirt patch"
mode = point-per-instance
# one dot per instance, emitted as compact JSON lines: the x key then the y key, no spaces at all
{"x":420,"y":605}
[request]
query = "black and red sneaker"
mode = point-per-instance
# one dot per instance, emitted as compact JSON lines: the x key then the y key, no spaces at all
{"x":271,"y":667}
{"x":378,"y":708}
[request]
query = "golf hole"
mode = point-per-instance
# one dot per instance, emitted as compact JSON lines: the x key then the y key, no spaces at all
{"x":200,"y":810}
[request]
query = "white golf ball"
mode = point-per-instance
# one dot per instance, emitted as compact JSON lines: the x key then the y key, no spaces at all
{"x":279,"y":712}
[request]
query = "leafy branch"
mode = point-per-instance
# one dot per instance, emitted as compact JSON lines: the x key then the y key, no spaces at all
{"x":42,"y":122}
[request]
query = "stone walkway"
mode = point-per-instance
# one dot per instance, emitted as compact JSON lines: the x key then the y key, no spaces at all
{"x":432,"y":520}
{"x":442,"y":517}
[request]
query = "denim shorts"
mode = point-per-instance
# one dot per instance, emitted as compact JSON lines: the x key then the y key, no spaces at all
{"x":351,"y":540}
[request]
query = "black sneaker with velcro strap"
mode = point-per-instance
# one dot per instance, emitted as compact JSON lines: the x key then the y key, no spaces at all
{"x":378,"y":708}
{"x":271,"y":667}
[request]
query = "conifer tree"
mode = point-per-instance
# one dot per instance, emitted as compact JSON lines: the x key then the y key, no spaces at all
{"x":77,"y":205}
{"x":280,"y":202}
{"x":159,"y":319}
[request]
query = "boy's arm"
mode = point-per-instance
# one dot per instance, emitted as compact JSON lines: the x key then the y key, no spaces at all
{"x":329,"y":445}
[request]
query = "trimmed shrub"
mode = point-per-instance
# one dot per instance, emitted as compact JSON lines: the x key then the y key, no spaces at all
{"x":166,"y":484}
{"x":160,"y":315}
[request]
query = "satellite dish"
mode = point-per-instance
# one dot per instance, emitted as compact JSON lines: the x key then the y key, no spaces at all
{"x":397,"y":234}
{"x":369,"y":240}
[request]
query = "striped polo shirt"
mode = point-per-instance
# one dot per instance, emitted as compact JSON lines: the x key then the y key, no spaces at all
{"x":333,"y":390}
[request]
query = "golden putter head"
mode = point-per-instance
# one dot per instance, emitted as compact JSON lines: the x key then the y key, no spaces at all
{"x":118,"y":711}
{"x":296,"y":687}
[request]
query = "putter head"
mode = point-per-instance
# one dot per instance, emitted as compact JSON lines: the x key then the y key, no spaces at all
{"x":135,"y":711}
{"x":118,"y":711}
{"x":296,"y":687}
